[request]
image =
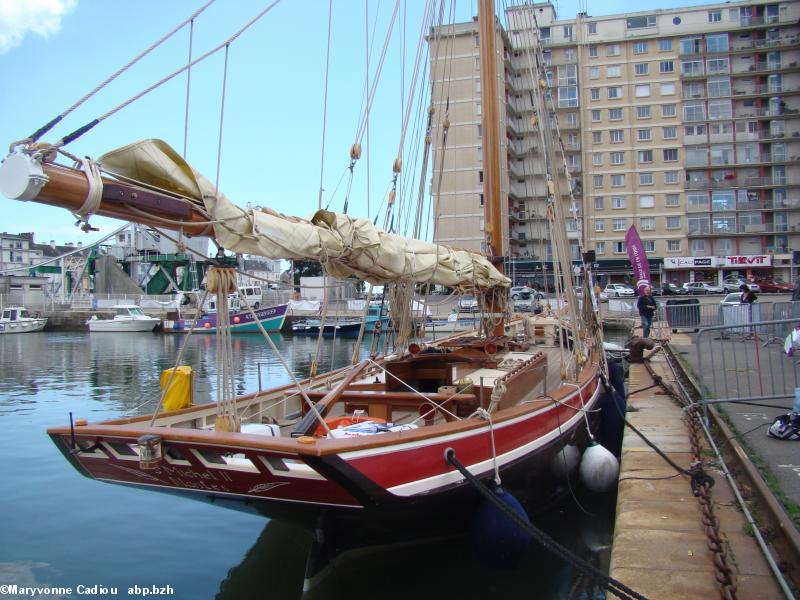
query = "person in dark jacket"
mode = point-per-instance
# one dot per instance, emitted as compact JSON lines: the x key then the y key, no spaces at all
{"x":747,"y":295}
{"x":796,"y":291}
{"x":647,"y":309}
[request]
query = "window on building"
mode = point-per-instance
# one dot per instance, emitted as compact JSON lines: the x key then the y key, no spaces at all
{"x":647,"y":201}
{"x":691,"y":45}
{"x":694,"y":111}
{"x":665,"y":45}
{"x":717,"y":42}
{"x":567,"y":97}
{"x":594,"y":72}
{"x":718,"y":66}
{"x":568,"y":32}
{"x":670,"y":154}
{"x":479,"y":129}
{"x":639,"y":22}
{"x":643,"y":135}
{"x":614,"y":71}
{"x":670,"y":133}
{"x":615,"y":114}
{"x":572,"y":119}
{"x":618,"y":202}
{"x":614,"y":92}
{"x":670,"y":177}
{"x":668,"y":110}
{"x":600,"y":247}
{"x":591,"y":28}
{"x":697,"y":225}
{"x":480,"y":176}
{"x":673,"y":245}
{"x":714,"y":16}
{"x":592,"y":51}
{"x":599,"y":203}
{"x":612,"y":49}
{"x":595,"y":116}
{"x":617,"y":180}
{"x":720,"y":109}
{"x":619,"y":248}
{"x":719,"y":87}
{"x":690,"y":68}
{"x":617,"y":136}
{"x":600,"y":225}
{"x":666,"y":66}
{"x":643,"y":112}
{"x":597,"y":137}
{"x":673,"y":222}
{"x":667,"y":89}
{"x":619,"y":224}
{"x":645,"y":178}
{"x":646,"y":156}
{"x":641,"y":68}
{"x":672,"y":200}
{"x":643,"y":90}
{"x":597,"y":181}
{"x":567,"y":75}
{"x":649,"y":245}
{"x":597,"y":159}
{"x":617,"y":158}
{"x":594,"y":93}
{"x":647,"y":223}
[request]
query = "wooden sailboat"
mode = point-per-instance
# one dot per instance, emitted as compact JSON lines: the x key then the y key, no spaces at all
{"x":363,"y":447}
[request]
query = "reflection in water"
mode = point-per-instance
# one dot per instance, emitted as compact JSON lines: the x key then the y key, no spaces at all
{"x":443,"y":568}
{"x":50,"y":515}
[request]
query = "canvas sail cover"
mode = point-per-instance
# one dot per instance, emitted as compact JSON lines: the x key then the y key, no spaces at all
{"x":343,"y":244}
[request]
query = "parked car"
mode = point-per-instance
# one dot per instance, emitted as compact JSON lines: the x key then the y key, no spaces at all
{"x":701,"y":288}
{"x":732,"y":284}
{"x":731,"y":300}
{"x":618,"y":290}
{"x":525,"y":293}
{"x":669,"y":289}
{"x":768,"y":286}
{"x":468,"y":304}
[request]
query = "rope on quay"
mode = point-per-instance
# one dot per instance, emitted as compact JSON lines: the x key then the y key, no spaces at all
{"x":610,"y":584}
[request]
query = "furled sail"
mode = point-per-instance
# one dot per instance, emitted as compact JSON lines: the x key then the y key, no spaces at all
{"x":343,"y":244}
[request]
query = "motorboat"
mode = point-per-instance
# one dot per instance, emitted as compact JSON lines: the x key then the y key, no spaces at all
{"x":17,"y":319}
{"x":128,"y":318}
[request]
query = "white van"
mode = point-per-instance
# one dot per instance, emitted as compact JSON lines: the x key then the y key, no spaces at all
{"x":253,"y":295}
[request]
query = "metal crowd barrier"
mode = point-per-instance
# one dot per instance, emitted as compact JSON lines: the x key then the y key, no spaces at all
{"x":746,"y":360}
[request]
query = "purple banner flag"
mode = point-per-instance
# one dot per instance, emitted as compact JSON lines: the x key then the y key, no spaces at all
{"x":641,"y":268}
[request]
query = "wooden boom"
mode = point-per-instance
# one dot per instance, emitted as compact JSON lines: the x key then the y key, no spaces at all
{"x":67,"y":188}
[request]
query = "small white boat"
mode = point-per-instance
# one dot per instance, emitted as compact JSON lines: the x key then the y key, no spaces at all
{"x":129,"y":318}
{"x":16,"y":319}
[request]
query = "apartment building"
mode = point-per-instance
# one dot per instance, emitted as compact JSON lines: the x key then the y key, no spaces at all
{"x":683,"y":122}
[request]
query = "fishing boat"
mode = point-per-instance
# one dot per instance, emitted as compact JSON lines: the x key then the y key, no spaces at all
{"x":375,"y":321}
{"x":17,"y":319}
{"x":369,"y":447}
{"x":270,"y":318}
{"x":128,"y":318}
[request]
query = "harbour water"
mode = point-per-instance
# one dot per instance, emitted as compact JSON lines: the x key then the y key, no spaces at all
{"x":60,"y":529}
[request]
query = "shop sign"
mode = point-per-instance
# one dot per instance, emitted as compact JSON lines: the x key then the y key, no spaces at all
{"x":689,"y":262}
{"x":753,"y":260}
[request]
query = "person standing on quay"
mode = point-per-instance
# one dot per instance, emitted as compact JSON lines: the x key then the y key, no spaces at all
{"x":647,"y":309}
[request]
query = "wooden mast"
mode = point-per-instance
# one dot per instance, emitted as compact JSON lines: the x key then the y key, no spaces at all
{"x":490,"y":119}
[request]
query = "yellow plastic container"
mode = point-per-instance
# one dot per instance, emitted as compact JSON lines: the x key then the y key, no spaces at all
{"x":179,"y":394}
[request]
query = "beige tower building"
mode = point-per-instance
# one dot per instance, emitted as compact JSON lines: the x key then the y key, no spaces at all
{"x":683,"y":122}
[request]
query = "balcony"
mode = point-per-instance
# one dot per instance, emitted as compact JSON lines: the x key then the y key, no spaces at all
{"x":753,"y":91}
{"x":765,"y":67}
{"x":750,"y":45}
{"x":747,"y":182}
{"x":693,"y":75}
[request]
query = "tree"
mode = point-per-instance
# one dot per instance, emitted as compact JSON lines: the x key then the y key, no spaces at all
{"x":305,"y":268}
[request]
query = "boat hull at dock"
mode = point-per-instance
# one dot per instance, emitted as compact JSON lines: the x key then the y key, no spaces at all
{"x":379,"y":483}
{"x":271,"y":320}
